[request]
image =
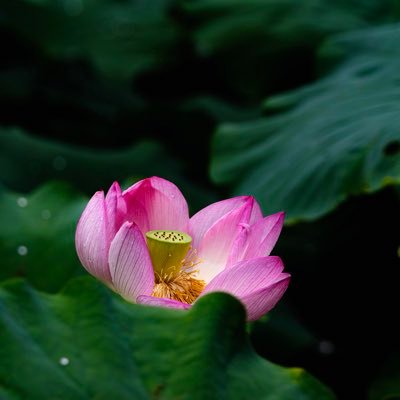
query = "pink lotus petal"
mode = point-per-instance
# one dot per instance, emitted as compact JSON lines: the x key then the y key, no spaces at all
{"x":248,"y":276}
{"x":155,"y":203}
{"x":201,"y":222}
{"x":215,"y":247}
{"x":229,"y":236}
{"x":136,"y":208}
{"x":116,"y":209}
{"x":130,"y":265}
{"x":161,"y":302}
{"x":257,"y":240}
{"x":239,"y":246}
{"x":92,"y":238}
{"x":256,"y":213}
{"x":267,"y":231}
{"x":259,"y":303}
{"x":255,"y":282}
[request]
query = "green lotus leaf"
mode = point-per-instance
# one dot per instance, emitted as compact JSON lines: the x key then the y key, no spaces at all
{"x":87,"y":343}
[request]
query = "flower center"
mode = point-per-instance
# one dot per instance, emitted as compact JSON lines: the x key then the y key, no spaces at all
{"x":167,"y":251}
{"x":173,"y":263}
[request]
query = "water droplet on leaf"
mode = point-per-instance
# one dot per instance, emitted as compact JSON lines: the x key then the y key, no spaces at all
{"x":22,"y":201}
{"x":64,"y":361}
{"x":22,"y":250}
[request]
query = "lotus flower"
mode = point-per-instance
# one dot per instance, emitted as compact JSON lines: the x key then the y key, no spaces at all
{"x":142,"y":244}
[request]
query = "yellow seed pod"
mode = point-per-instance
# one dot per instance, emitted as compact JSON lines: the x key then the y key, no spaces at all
{"x":167,"y":251}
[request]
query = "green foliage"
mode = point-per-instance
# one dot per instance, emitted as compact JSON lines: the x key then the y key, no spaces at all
{"x":26,"y":161}
{"x":121,"y":38}
{"x":221,"y":22}
{"x":258,"y":43}
{"x":322,"y":143}
{"x":90,"y":170}
{"x":117,"y":350}
{"x":37,"y":235}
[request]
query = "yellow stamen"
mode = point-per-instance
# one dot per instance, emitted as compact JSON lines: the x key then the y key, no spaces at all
{"x":184,"y":288}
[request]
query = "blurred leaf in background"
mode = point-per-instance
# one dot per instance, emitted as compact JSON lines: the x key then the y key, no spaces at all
{"x":85,"y":343}
{"x":260,"y":46}
{"x":121,"y":38}
{"x":37,"y":235}
{"x":322,"y":143}
{"x":26,"y":162}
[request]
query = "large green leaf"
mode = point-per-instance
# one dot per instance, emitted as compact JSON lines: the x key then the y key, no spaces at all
{"x":320,"y":144}
{"x":264,"y":45}
{"x":120,"y":37}
{"x":37,"y":235}
{"x":27,"y":161}
{"x":87,"y":343}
